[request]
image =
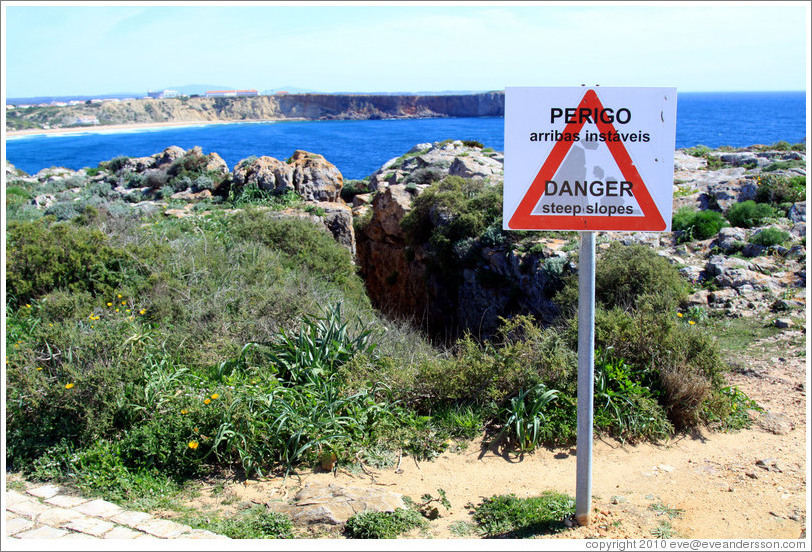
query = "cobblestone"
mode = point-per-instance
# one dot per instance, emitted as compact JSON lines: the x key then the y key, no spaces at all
{"x":49,"y":512}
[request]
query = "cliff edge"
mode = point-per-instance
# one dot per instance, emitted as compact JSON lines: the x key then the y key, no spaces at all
{"x":257,"y":108}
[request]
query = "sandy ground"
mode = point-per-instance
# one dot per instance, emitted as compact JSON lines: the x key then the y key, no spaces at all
{"x":712,"y":477}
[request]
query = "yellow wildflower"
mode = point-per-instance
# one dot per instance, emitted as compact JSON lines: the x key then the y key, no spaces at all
{"x":124,"y":302}
{"x":691,"y":322}
{"x":27,"y":305}
{"x":193,"y":445}
{"x":207,"y":401}
{"x":679,"y":314}
{"x":109,"y":304}
{"x":119,"y":296}
{"x":215,"y":395}
{"x":39,"y":368}
{"x":142,"y":311}
{"x":184,"y":411}
{"x":69,"y":386}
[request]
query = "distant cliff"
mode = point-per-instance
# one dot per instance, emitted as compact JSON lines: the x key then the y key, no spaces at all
{"x":259,"y":108}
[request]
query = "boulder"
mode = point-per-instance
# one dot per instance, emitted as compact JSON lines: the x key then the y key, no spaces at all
{"x":731,"y":239}
{"x":797,"y":213}
{"x":775,"y":423}
{"x":470,"y":167}
{"x":266,"y":173}
{"x":169,"y":155}
{"x":333,"y":504}
{"x":337,"y":218}
{"x":315,"y":178}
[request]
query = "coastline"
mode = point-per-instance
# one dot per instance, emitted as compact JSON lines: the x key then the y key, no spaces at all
{"x":132,"y":126}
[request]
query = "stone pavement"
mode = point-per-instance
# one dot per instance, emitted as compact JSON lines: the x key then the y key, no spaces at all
{"x":48,"y":512}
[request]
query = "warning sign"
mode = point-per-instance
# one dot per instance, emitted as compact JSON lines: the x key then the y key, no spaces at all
{"x":589,"y":158}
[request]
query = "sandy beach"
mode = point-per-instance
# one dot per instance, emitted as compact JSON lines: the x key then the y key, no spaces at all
{"x":134,"y":126}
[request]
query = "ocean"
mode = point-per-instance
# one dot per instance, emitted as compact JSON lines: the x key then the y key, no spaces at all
{"x":359,"y":148}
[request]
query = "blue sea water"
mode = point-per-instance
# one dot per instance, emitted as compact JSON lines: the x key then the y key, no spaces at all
{"x":358,"y":148}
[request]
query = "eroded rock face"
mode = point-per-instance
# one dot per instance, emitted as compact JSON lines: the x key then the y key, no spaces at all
{"x":395,"y":279}
{"x":334,"y":504}
{"x":490,"y":282}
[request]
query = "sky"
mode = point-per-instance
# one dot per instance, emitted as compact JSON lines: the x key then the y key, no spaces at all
{"x":98,"y":48}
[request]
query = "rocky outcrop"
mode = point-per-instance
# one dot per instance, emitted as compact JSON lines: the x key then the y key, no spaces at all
{"x":264,"y":108}
{"x":486,"y":279}
{"x":490,"y":280}
{"x":308,"y":174}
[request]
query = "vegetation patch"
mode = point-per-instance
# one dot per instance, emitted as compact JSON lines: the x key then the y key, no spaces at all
{"x":372,"y":524}
{"x":507,"y":516}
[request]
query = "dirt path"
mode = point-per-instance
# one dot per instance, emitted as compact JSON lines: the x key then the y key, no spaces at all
{"x":747,"y":484}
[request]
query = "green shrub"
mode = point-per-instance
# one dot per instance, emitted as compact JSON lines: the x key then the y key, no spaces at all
{"x":681,"y":364}
{"x":627,"y":276}
{"x":697,"y":225}
{"x":45,"y":257}
{"x":698,"y":151}
{"x":776,"y":189}
{"x":372,"y":524}
{"x":507,"y":516}
{"x":473,"y":144}
{"x":256,"y":523}
{"x":770,"y":237}
{"x":748,"y":214}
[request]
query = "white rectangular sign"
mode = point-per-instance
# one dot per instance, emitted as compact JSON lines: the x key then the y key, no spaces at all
{"x":589,"y":158}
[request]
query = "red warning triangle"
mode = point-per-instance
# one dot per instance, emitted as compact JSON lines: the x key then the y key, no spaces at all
{"x":524,"y":219}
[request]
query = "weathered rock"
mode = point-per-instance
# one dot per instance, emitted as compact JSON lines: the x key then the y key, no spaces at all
{"x":783,"y":323}
{"x":266,"y":173}
{"x":315,"y":178}
{"x":698,"y":299}
{"x":309,"y":174}
{"x":394,"y":282}
{"x":470,"y":167}
{"x":43,"y":201}
{"x":333,"y":504}
{"x":776,"y":423}
{"x":337,"y":218}
{"x":797,"y":213}
{"x":731,"y":239}
{"x":169,"y":155}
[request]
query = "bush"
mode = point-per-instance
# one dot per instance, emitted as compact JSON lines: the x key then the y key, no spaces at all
{"x":372,"y":524}
{"x":627,"y":276}
{"x":507,"y":516}
{"x":748,"y":214}
{"x":45,"y":257}
{"x":696,"y":225}
{"x":775,"y":189}
{"x":680,"y":364}
{"x":770,"y":237}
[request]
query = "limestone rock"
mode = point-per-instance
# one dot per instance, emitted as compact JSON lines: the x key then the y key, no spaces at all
{"x":469,"y":167}
{"x":315,"y":178}
{"x":731,"y":238}
{"x":334,"y":504}
{"x":43,"y":201}
{"x":797,"y":213}
{"x":337,"y":219}
{"x":776,"y":423}
{"x":266,"y":173}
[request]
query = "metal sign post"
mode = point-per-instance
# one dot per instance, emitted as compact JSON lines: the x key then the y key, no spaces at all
{"x":586,"y":377}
